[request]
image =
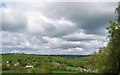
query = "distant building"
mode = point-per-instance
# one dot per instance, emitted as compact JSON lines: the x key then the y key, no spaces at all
{"x":29,"y":66}
{"x":17,"y":64}
{"x":56,"y":63}
{"x":79,"y":69}
{"x":7,"y":62}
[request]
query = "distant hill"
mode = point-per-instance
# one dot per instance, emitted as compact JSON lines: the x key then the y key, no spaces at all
{"x":71,"y":56}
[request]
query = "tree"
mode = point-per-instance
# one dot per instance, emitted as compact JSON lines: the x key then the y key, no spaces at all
{"x":108,"y":59}
{"x":19,"y":69}
{"x":114,"y":44}
{"x":4,"y":67}
{"x":47,"y":67}
{"x":62,"y":67}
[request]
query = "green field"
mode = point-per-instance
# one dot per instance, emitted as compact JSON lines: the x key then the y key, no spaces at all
{"x":43,"y":63}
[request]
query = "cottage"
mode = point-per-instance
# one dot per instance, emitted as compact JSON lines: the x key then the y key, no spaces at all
{"x":7,"y":62}
{"x":17,"y":64}
{"x":84,"y":70}
{"x":29,"y":66}
{"x":56,"y":63}
{"x":79,"y":69}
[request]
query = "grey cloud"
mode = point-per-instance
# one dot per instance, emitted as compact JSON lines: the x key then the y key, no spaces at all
{"x":13,"y":20}
{"x":81,"y":36}
{"x":13,"y":42}
{"x":46,"y":26}
{"x":16,"y":40}
{"x":92,"y":17}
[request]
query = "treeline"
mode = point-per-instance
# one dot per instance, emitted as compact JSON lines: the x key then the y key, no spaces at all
{"x":68,"y":56}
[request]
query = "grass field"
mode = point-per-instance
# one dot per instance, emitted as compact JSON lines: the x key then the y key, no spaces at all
{"x":44,"y":63}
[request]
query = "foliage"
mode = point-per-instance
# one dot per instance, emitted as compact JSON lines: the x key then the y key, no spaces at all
{"x":108,"y":58}
{"x":62,"y":67}
{"x":114,"y":44}
{"x":19,"y":69}
{"x":43,"y":64}
{"x":4,"y":67}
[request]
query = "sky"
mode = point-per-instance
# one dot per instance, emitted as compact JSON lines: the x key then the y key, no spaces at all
{"x":71,"y":28}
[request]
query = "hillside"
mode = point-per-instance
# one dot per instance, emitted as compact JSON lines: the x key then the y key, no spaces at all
{"x":44,"y":63}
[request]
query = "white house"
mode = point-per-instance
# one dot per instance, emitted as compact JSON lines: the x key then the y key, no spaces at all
{"x":7,"y":62}
{"x":56,"y":63}
{"x":29,"y":66}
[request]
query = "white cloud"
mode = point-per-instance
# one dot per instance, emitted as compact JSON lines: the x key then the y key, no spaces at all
{"x":79,"y":35}
{"x":55,"y":28}
{"x":15,"y":51}
{"x":38,"y":23}
{"x":52,"y":45}
{"x":75,"y":49}
{"x":82,"y":36}
{"x":11,"y":21}
{"x":93,"y":44}
{"x":57,"y":42}
{"x":6,"y":10}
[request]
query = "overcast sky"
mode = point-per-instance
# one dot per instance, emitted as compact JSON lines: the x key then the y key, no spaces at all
{"x":55,"y":27}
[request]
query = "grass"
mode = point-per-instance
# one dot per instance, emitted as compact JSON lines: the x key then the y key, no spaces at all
{"x":70,"y":68}
{"x":41,"y":58}
{"x":57,"y":71}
